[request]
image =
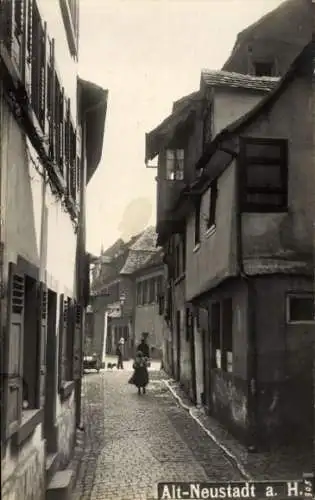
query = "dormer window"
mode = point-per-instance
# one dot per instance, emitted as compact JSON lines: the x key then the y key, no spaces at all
{"x":263,"y":68}
{"x":175,"y":164}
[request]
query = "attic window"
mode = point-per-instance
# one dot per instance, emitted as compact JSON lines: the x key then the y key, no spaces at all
{"x":175,"y":164}
{"x":263,"y":68}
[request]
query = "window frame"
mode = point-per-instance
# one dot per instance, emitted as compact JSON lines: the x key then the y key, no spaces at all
{"x":244,"y":163}
{"x":197,"y":221}
{"x":176,"y":171}
{"x":211,"y":222}
{"x":297,"y":294}
{"x":219,"y":350}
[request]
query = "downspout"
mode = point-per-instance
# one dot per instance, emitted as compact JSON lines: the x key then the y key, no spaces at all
{"x":251,"y":320}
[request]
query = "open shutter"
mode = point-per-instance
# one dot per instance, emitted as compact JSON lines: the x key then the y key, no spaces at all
{"x":41,"y":343}
{"x":43,"y":78}
{"x":14,"y":351}
{"x":50,"y":58}
{"x":28,"y":47}
{"x":60,"y":344}
{"x":77,"y":355}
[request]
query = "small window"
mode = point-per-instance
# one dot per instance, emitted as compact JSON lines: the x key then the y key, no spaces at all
{"x":175,"y":164}
{"x":152,"y":290}
{"x":139,"y":290}
{"x":215,"y":333}
{"x":197,"y":222}
{"x":300,"y":308}
{"x":213,"y":204}
{"x":263,"y":69}
{"x":264,"y":175}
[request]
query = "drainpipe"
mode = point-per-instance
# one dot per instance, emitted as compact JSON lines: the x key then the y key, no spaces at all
{"x":251,"y":322}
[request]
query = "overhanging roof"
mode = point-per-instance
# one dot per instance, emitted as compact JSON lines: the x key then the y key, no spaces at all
{"x":161,"y":135}
{"x":217,"y":78}
{"x":305,"y":56}
{"x":93,"y":108}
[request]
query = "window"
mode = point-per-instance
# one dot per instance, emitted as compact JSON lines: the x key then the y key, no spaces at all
{"x":213,"y":204}
{"x":215,"y":333}
{"x":263,"y":68}
{"x":139,"y":290}
{"x":151,"y":290}
{"x":300,"y":308}
{"x":207,"y":126}
{"x":38,"y":68}
{"x":197,"y":221}
{"x":175,"y":164}
{"x":221,"y":321}
{"x":66,"y":340}
{"x":177,"y":261}
{"x":183,"y":241}
{"x":145,"y":292}
{"x":264,"y":175}
{"x":189,"y":324}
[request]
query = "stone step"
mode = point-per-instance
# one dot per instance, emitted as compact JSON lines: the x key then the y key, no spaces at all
{"x":61,"y":485}
{"x":51,"y":466}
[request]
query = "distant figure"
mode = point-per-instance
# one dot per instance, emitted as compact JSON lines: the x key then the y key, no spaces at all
{"x":140,"y":377}
{"x":119,"y":358}
{"x":143,"y":347}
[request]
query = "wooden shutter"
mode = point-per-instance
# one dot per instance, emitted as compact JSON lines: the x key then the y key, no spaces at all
{"x":41,"y":343}
{"x":43,"y":77}
{"x":77,"y":359}
{"x":63,"y":321}
{"x":67,"y":143}
{"x":13,"y":392}
{"x":28,"y":46}
{"x":50,"y":58}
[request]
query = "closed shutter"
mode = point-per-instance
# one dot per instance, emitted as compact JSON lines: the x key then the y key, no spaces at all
{"x":14,"y":351}
{"x":50,"y":48}
{"x":28,"y":47}
{"x":63,"y":313}
{"x":41,"y":343}
{"x":43,"y":78}
{"x":70,"y":339}
{"x":77,"y":360}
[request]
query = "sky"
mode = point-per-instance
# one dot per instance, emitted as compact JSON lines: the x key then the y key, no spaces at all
{"x":147,"y":53}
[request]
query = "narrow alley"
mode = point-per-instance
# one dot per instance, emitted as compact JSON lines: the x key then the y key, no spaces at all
{"x":133,"y":442}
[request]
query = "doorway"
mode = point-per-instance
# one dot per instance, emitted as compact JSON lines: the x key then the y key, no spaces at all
{"x":51,"y":374}
{"x":178,"y":343}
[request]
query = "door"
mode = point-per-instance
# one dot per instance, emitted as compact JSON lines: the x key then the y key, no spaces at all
{"x":178,"y":343}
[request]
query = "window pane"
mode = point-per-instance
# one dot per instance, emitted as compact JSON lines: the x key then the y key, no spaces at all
{"x":270,"y":151}
{"x":267,"y":199}
{"x":301,"y":308}
{"x":170,"y":154}
{"x":180,"y":154}
{"x":265,"y":176}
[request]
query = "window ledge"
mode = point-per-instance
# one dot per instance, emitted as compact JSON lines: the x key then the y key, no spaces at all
{"x":180,"y":278}
{"x":196,"y":248}
{"x":66,"y":389}
{"x":30,"y":420}
{"x":211,"y":230}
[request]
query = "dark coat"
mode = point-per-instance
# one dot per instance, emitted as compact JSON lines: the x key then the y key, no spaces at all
{"x":144,"y":348}
{"x":140,"y":377}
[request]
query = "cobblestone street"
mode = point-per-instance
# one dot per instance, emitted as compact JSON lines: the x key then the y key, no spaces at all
{"x":133,"y":442}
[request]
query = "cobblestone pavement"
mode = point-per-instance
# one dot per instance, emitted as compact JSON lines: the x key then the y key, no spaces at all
{"x":132,"y":442}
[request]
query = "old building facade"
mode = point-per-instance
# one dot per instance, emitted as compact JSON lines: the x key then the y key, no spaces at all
{"x":52,"y":126}
{"x":218,"y":295}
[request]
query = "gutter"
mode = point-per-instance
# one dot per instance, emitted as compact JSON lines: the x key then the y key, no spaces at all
{"x":251,"y":321}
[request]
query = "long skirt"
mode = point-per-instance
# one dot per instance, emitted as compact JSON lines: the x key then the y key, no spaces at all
{"x":140,"y":377}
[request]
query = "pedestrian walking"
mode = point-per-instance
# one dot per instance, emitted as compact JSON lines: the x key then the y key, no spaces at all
{"x":143,"y":347}
{"x":119,"y":358}
{"x":140,"y":376}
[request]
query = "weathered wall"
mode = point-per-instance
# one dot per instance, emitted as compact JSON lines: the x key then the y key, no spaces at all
{"x":26,"y":477}
{"x":213,"y":259}
{"x":229,"y":104}
{"x":66,"y":430}
{"x":147,"y":319}
{"x":285,"y":358}
{"x":287,"y":235}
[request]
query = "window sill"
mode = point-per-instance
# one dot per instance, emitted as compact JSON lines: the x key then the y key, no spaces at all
{"x":196,"y":248}
{"x":30,"y":420}
{"x":179,"y":278}
{"x":210,"y":231}
{"x":66,"y":389}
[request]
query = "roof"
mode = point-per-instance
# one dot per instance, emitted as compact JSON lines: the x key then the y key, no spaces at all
{"x":306,"y":55}
{"x":93,"y":109}
{"x":290,"y":23}
{"x":163,"y":133}
{"x":142,"y":253}
{"x":216,"y":78}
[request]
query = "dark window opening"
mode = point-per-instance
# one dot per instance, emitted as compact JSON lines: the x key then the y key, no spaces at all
{"x":30,"y":345}
{"x":264,"y":68}
{"x":197,"y":222}
{"x":227,"y":338}
{"x":213,"y":204}
{"x":264,"y":176}
{"x":215,"y":333}
{"x":300,"y":308}
{"x":175,"y":164}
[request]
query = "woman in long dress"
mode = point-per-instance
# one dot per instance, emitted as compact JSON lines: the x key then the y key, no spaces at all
{"x":140,"y":377}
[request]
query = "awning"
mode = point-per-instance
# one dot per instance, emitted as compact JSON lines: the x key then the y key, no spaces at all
{"x":93,"y":108}
{"x":158,"y":138}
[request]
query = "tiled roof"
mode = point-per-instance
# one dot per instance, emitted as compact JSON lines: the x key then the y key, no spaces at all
{"x":216,"y":78}
{"x":142,"y":252}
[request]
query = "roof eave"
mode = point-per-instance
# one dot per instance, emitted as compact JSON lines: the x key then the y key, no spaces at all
{"x":93,"y":108}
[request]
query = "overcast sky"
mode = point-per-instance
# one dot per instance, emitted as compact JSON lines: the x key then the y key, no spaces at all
{"x":147,"y":53}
